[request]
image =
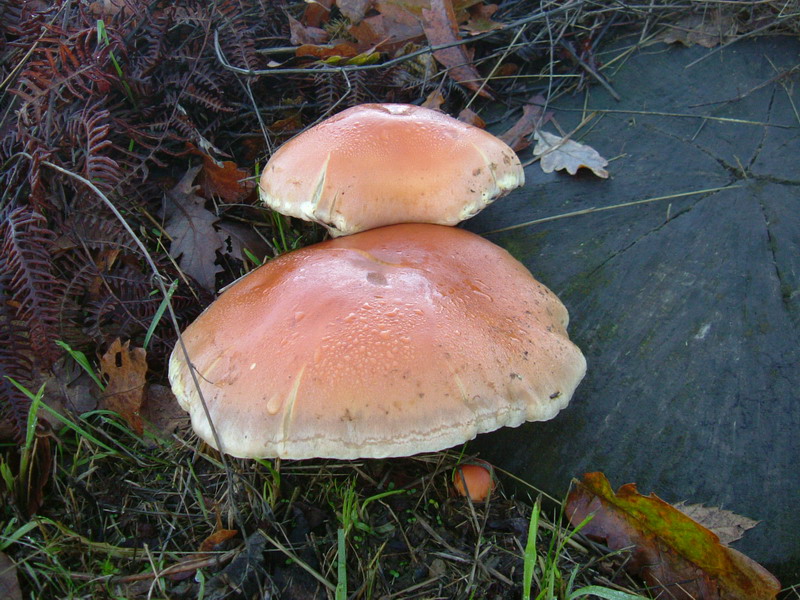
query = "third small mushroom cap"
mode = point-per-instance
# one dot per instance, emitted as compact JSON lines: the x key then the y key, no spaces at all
{"x":395,"y":341}
{"x":382,"y":164}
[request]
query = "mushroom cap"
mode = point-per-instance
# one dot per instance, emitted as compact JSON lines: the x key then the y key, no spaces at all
{"x":381,"y":164}
{"x":399,"y":340}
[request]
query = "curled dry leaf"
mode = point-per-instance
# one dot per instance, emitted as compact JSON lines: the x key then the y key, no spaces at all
{"x":470,"y":116}
{"x":217,"y":540}
{"x":441,"y":27}
{"x":125,"y":369}
{"x":671,"y":552}
{"x":557,"y":153}
{"x":531,"y":119}
{"x":434,"y":100}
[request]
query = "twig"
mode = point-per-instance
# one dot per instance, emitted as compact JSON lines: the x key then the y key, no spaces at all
{"x":587,"y":211}
{"x":181,"y":567}
{"x":589,"y":69}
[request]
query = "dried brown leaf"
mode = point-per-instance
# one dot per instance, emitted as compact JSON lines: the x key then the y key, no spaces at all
{"x":162,"y":411}
{"x":434,"y":100}
{"x":470,"y":116}
{"x":125,"y":370}
{"x":480,"y":19}
{"x":343,"y":50}
{"x":301,"y":34}
{"x":9,"y":583}
{"x":217,"y":540}
{"x":707,"y":30}
{"x":381,"y":31}
{"x":316,"y":13}
{"x":557,"y":153}
{"x":727,"y":525}
{"x":354,"y":9}
{"x":224,"y":180}
{"x":441,"y":27}
{"x":531,"y":119}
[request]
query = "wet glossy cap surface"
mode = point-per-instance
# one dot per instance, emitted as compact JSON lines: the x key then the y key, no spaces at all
{"x":382,"y":164}
{"x":391,"y":342}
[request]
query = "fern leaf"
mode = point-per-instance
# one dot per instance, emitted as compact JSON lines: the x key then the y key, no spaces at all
{"x":25,"y":267}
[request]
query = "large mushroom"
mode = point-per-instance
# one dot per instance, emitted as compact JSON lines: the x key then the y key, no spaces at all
{"x":382,"y":164}
{"x":391,"y":342}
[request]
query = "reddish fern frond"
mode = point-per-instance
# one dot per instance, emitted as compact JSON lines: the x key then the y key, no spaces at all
{"x":63,"y":67}
{"x":14,"y":363}
{"x":25,"y":263}
{"x":205,"y":99}
{"x":87,"y":138}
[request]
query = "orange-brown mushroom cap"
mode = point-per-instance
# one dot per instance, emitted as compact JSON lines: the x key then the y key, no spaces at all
{"x":391,"y":342}
{"x":381,"y":164}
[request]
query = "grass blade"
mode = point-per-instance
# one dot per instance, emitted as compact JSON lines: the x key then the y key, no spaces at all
{"x":530,"y":551}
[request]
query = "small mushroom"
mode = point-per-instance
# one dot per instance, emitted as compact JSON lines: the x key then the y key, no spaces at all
{"x":382,"y":164}
{"x":399,"y":340}
{"x":474,"y":479}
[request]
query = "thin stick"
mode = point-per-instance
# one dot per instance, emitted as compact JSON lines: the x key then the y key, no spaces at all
{"x":587,"y":211}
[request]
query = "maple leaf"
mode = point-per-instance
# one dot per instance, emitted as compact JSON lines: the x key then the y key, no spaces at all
{"x":124,"y":369}
{"x":557,"y":153}
{"x":670,"y":551}
{"x":191,"y":228}
{"x":441,"y":27}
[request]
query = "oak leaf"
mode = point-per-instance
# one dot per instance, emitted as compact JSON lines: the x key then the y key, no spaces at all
{"x":557,"y":153}
{"x":125,"y":369}
{"x":191,"y":228}
{"x":677,"y":556}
